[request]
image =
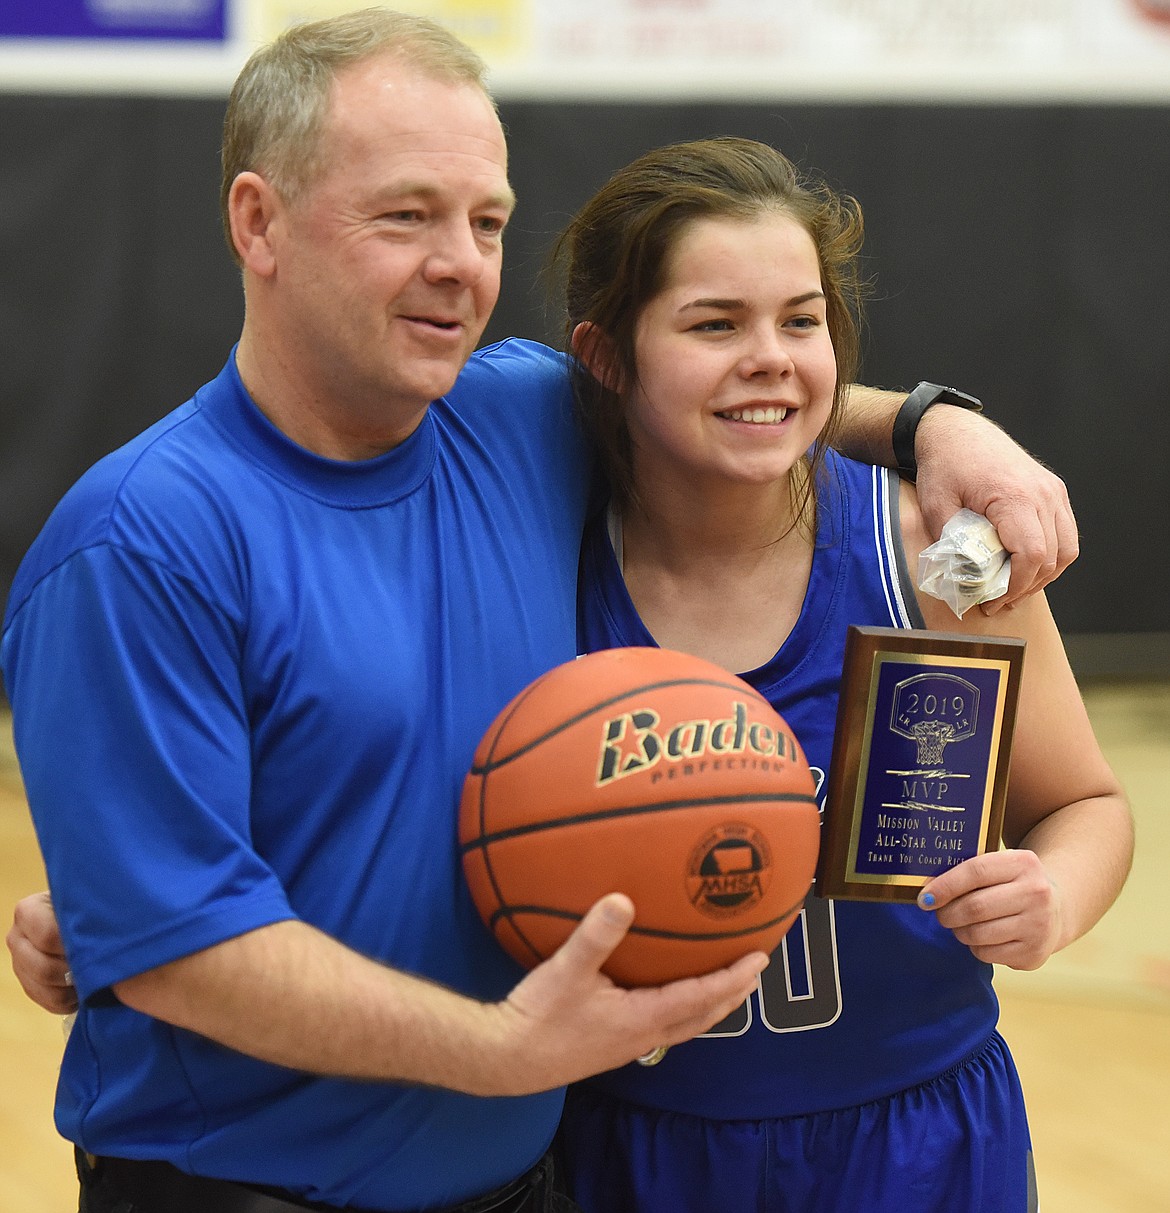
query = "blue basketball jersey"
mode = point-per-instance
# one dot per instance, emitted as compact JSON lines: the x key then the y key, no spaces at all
{"x":861,"y":1000}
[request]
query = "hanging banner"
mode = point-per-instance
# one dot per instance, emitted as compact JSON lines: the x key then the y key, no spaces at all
{"x":1074,"y":49}
{"x":874,"y":50}
{"x":87,"y":19}
{"x":500,"y":30}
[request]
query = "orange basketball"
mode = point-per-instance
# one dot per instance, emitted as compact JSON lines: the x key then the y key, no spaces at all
{"x":651,"y":773}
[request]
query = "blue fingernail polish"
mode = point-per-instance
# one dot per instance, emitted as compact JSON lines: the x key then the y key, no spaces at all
{"x":927,"y":900}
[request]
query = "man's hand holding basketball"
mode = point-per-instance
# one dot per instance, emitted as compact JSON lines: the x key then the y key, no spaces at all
{"x":566,"y":1020}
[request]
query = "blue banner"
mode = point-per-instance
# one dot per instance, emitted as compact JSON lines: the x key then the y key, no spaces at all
{"x":200,"y":20}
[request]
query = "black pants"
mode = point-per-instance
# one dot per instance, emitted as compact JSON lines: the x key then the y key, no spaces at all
{"x":113,"y":1185}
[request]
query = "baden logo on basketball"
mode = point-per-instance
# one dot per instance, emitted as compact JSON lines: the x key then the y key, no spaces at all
{"x":631,"y":743}
{"x":729,"y":871}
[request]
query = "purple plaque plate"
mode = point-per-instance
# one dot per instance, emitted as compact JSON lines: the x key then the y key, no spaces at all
{"x":920,"y":762}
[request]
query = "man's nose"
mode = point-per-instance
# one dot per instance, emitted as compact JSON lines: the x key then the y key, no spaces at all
{"x":456,"y":256}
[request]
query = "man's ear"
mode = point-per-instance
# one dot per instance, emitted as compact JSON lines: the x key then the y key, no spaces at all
{"x":252,"y":206}
{"x":593,"y":348}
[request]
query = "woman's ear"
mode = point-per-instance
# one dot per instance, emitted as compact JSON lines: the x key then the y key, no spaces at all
{"x":593,"y":348}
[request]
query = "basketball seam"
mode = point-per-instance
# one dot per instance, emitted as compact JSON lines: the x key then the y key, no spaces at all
{"x":651,"y":932}
{"x":636,"y":810}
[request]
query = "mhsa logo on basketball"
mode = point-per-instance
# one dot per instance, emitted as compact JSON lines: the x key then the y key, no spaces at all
{"x":635,"y":742}
{"x":729,"y":870}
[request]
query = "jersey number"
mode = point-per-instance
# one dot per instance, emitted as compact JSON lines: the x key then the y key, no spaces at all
{"x":801,"y":988}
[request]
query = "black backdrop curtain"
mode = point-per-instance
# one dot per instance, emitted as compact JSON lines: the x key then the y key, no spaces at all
{"x":1020,"y":253}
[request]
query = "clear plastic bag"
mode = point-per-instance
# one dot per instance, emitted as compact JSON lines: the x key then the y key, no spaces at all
{"x":967,"y":565}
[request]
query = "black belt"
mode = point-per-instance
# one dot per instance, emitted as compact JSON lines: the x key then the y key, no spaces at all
{"x":161,"y":1188}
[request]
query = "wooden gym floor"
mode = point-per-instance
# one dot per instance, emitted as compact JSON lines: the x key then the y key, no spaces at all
{"x":1090,"y":1032}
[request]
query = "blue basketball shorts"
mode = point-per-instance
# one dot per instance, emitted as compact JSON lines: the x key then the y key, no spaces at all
{"x":956,"y":1144}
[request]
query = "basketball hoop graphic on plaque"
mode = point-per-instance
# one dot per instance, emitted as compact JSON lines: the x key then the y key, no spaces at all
{"x":920,"y":762}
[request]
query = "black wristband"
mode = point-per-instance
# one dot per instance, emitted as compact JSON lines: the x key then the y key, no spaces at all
{"x":909,"y":415}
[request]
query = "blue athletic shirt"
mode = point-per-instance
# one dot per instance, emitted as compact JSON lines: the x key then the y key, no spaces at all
{"x":861,"y":999}
{"x":247,"y":683}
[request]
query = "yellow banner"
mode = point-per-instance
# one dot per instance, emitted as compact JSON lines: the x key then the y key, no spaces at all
{"x":497,"y":29}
